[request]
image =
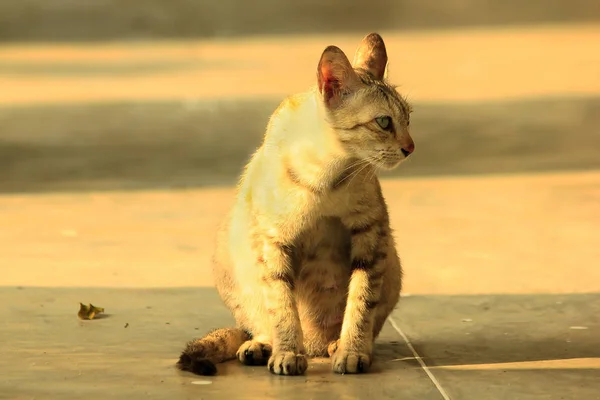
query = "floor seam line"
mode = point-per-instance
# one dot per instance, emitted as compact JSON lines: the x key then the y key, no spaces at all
{"x":432,"y":377}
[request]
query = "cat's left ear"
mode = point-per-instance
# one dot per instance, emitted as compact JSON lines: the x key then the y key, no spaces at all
{"x":372,"y":56}
{"x":335,"y":76}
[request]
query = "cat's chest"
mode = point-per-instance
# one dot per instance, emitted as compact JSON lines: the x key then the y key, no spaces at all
{"x":324,"y":244}
{"x":336,"y":204}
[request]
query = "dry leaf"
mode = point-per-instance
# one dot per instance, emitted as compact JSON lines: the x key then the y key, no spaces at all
{"x":89,"y":311}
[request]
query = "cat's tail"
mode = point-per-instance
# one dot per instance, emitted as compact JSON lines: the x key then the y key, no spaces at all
{"x":201,"y":355}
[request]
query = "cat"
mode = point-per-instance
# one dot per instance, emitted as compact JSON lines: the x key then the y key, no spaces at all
{"x":305,"y":260}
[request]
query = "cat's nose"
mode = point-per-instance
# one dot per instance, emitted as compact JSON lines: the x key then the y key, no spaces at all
{"x":408,"y":149}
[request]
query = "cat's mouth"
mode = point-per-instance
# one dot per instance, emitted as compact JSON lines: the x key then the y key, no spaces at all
{"x":389,"y":165}
{"x":387,"y":162}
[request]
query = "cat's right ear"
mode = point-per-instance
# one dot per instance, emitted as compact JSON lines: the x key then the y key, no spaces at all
{"x":335,"y":76}
{"x":372,"y":56}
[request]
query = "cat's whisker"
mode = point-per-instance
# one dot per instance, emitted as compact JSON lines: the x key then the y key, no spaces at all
{"x":353,"y":164}
{"x":356,"y":171}
{"x":374,"y":161}
{"x":366,"y":165}
{"x":351,"y":175}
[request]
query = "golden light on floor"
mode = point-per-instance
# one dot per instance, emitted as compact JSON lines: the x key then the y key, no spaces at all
{"x":569,"y":363}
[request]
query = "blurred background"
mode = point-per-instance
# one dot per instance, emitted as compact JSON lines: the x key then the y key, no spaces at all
{"x":153,"y":101}
{"x":102,"y":94}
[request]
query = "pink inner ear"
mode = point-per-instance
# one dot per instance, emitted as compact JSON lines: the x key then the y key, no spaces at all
{"x":335,"y":75}
{"x":329,"y":85}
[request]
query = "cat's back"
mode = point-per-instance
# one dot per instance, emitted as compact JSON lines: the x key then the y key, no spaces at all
{"x":295,"y":115}
{"x":294,"y":105}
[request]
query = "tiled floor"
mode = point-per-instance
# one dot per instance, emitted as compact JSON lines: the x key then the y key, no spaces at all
{"x":131,"y":353}
{"x":508,"y":346}
{"x":472,"y":347}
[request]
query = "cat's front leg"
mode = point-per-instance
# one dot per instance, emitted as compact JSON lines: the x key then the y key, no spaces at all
{"x":369,"y":251}
{"x":278,"y":278}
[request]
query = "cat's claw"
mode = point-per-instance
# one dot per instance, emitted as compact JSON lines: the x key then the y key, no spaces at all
{"x":350,"y":362}
{"x":287,"y":363}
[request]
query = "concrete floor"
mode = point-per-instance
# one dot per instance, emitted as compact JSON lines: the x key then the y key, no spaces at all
{"x":473,"y":347}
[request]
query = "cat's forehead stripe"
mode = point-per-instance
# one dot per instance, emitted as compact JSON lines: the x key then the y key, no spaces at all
{"x":388,"y":92}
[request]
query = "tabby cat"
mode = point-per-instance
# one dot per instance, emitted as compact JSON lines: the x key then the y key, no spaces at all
{"x":305,"y":260}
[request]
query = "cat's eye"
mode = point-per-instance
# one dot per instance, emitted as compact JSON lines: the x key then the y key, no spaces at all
{"x":384,"y":123}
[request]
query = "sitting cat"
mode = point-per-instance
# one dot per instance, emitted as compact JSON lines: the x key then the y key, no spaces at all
{"x":305,"y":260}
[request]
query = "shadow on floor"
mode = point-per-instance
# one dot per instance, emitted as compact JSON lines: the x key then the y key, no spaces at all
{"x":165,"y":145}
{"x":496,"y":347}
{"x":486,"y":329}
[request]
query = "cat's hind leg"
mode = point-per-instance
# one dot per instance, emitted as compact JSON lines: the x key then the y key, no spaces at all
{"x":201,"y":355}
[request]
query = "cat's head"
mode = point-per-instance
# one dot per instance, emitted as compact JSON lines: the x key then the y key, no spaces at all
{"x":369,"y":116}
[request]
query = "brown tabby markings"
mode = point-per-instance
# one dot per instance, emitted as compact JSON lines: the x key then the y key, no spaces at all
{"x":305,"y":260}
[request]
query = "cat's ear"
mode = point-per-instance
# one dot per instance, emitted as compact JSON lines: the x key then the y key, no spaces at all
{"x":335,"y":76}
{"x":371,"y":56}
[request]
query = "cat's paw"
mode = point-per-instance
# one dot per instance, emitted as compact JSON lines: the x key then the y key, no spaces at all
{"x":287,"y":363}
{"x":350,"y":362}
{"x":332,"y":348}
{"x":254,"y":353}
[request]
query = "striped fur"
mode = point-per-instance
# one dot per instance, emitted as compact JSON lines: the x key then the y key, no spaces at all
{"x":306,"y":260}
